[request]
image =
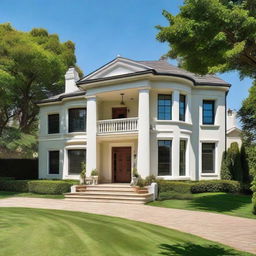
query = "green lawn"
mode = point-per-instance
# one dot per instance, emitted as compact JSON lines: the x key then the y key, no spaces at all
{"x":5,"y":194}
{"x":237,"y":205}
{"x":38,"y":232}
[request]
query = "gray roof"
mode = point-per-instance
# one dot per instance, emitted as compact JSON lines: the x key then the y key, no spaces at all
{"x":163,"y":67}
{"x":160,"y":67}
{"x":61,"y":96}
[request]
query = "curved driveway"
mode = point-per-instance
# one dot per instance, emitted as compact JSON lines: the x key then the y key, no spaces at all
{"x":239,"y":233}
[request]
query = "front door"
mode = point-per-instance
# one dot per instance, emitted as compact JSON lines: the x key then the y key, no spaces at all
{"x":119,"y":113}
{"x":121,"y":164}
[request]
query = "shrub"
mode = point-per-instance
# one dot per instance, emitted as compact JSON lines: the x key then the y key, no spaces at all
{"x":175,"y":186}
{"x":225,"y":167}
{"x":50,"y":186}
{"x":253,"y":188}
{"x":174,"y":195}
{"x":135,"y":173}
{"x":150,"y":179}
{"x":141,"y":182}
{"x":245,"y":164}
{"x":14,"y":185}
{"x":236,"y":166}
{"x":229,"y":186}
{"x":94,"y":173}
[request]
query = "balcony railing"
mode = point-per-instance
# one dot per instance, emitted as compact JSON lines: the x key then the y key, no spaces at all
{"x":118,"y":125}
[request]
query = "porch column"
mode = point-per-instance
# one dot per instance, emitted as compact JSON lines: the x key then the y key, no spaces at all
{"x":143,"y":158}
{"x":91,"y":129}
{"x":176,"y":105}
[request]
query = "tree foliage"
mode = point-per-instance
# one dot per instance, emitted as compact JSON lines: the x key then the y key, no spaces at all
{"x":209,"y":36}
{"x":225,"y":172}
{"x":32,"y":67}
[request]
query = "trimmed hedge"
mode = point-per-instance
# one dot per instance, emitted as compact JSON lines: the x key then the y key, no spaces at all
{"x":186,"y":187}
{"x":14,"y":185}
{"x":49,"y":186}
{"x":37,"y":186}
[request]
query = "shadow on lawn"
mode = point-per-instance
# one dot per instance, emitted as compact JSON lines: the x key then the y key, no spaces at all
{"x":220,"y":203}
{"x":190,"y":249}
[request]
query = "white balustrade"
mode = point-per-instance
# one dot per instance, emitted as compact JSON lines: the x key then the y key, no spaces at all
{"x":117,"y":125}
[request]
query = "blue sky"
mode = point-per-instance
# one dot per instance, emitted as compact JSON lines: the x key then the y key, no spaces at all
{"x":103,"y":29}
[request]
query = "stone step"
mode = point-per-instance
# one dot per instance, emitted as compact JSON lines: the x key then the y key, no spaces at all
{"x":104,"y":189}
{"x":107,"y":193}
{"x":96,"y":200}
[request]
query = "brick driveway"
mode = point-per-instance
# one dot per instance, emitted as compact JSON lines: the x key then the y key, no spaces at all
{"x":239,"y":233}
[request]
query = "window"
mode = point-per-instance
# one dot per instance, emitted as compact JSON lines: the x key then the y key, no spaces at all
{"x":75,"y":158}
{"x":182,"y":107}
{"x":182,"y":158}
{"x":54,"y":162}
{"x":53,"y":123}
{"x":208,"y":156}
{"x":77,"y":120}
{"x":164,"y":107}
{"x":164,"y":157}
{"x":208,"y":112}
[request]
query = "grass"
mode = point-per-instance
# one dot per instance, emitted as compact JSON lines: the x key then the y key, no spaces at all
{"x":5,"y":194}
{"x":231,"y":204}
{"x":39,"y":232}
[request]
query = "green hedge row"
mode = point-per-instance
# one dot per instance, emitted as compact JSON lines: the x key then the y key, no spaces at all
{"x":187,"y":187}
{"x":37,"y":186}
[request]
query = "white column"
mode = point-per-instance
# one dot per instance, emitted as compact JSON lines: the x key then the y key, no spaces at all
{"x":91,"y":129}
{"x":143,"y":162}
{"x":175,"y":105}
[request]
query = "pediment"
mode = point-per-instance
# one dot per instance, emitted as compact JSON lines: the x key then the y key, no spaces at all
{"x":118,"y":66}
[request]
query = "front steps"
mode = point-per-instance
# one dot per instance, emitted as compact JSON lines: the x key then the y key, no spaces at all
{"x":108,"y":193}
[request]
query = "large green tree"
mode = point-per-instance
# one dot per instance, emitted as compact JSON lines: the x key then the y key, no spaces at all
{"x":209,"y":36}
{"x":32,"y":67}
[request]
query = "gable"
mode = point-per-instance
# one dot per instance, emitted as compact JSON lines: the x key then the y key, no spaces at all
{"x":118,"y":66}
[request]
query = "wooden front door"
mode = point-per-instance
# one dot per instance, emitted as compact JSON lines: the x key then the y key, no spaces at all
{"x":119,"y":113}
{"x":121,"y":164}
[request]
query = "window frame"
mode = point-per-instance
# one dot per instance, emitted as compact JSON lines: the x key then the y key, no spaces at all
{"x":185,"y":105}
{"x":212,"y":112}
{"x":203,"y":172}
{"x":158,"y":106}
{"x":48,"y":123}
{"x":170,"y":159}
{"x":49,"y":161}
{"x":185,"y":157}
{"x":69,"y":120}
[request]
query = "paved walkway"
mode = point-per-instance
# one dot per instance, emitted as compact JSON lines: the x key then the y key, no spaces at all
{"x":239,"y":233}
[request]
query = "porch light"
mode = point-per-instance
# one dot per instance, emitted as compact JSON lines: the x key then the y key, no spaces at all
{"x":122,"y":101}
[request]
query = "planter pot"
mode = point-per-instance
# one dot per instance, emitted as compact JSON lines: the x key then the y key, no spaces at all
{"x":95,"y":180}
{"x":140,"y":190}
{"x":134,"y":181}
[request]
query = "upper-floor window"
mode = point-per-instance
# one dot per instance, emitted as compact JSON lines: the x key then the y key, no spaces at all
{"x":164,"y":157}
{"x":77,"y":120}
{"x":208,"y":112}
{"x":208,"y":157}
{"x":164,"y":107}
{"x":54,"y":162}
{"x":182,"y":107}
{"x":53,"y":123}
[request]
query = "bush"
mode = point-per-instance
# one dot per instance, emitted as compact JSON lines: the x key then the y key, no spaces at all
{"x":253,"y":188}
{"x":175,"y":186}
{"x":141,"y":182}
{"x":150,"y":179}
{"x":236,"y":166}
{"x":225,"y":167}
{"x":229,"y":186}
{"x":174,"y":195}
{"x":14,"y":185}
{"x":50,"y":186}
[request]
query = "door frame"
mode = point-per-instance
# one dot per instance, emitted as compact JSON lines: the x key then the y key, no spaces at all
{"x":115,"y":108}
{"x":117,"y":145}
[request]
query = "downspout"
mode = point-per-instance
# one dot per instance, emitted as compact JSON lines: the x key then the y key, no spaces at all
{"x":226,"y":94}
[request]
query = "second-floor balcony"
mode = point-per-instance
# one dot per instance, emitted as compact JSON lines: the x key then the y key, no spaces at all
{"x":122,"y":125}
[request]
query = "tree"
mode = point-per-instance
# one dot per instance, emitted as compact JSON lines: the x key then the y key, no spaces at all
{"x":245,"y":164}
{"x":225,"y":173}
{"x":247,"y":114}
{"x":235,"y":167}
{"x":210,"y":36}
{"x":32,"y":67}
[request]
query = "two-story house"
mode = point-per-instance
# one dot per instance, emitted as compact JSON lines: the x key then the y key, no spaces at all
{"x":127,"y":114}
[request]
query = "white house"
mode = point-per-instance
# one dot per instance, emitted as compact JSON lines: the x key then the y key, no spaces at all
{"x":129,"y":114}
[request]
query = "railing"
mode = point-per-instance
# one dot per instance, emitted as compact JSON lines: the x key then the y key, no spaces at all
{"x":118,"y":125}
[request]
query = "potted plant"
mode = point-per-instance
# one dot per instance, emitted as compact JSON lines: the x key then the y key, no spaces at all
{"x":140,"y":186}
{"x":135,"y":177}
{"x":83,"y":173}
{"x":95,"y":176}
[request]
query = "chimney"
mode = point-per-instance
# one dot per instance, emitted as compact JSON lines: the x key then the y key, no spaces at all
{"x":70,"y":80}
{"x":231,"y":119}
